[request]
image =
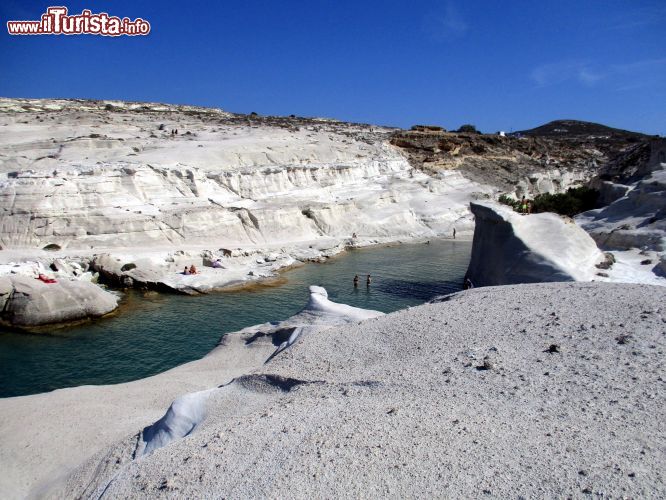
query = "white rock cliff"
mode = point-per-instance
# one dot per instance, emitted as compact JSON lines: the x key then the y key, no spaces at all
{"x":511,"y":248}
{"x":87,"y":175}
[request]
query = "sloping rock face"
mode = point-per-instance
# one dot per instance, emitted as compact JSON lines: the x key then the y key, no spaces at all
{"x":510,"y":248}
{"x":27,"y":302}
{"x":319,"y":314}
{"x":636,"y":220}
{"x":80,"y":174}
{"x":548,"y":159}
{"x":551,"y":390}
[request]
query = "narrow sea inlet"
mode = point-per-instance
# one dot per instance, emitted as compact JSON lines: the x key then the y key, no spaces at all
{"x":156,"y":332}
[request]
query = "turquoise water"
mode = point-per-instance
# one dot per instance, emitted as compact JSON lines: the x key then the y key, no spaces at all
{"x":156,"y":332}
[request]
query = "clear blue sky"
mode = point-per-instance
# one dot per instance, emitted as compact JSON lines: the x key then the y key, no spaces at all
{"x":498,"y":65}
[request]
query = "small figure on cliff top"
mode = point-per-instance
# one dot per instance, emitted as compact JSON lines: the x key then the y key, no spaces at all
{"x":523,"y":206}
{"x":454,"y":233}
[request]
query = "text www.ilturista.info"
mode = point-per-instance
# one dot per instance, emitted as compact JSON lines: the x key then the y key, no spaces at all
{"x":56,"y":21}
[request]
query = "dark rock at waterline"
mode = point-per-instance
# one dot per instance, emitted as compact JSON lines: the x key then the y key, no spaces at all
{"x":608,"y":262}
{"x":114,"y":272}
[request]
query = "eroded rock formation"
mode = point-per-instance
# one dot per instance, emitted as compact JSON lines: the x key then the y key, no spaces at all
{"x":511,"y":248}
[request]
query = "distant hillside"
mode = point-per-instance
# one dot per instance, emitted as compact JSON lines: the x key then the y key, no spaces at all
{"x":575,"y":128}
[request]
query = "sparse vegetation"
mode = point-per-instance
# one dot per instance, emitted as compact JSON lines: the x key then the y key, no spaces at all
{"x":507,"y":200}
{"x":573,"y":202}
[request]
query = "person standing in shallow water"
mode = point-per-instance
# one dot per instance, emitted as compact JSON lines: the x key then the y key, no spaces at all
{"x":368,"y":280}
{"x":356,"y":281}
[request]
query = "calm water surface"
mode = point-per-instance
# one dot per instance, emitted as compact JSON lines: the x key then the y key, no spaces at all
{"x":157,"y":332}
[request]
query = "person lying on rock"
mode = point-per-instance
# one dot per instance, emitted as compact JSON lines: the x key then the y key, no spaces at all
{"x":45,"y":279}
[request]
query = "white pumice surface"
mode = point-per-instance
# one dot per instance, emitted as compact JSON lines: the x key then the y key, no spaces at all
{"x":511,"y":248}
{"x":397,"y":406}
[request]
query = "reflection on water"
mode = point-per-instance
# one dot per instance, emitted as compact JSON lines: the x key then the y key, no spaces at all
{"x":156,"y":332}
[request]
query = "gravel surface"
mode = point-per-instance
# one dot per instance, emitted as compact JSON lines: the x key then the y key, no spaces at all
{"x":546,"y":390}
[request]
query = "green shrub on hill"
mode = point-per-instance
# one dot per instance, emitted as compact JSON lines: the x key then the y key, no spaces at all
{"x":468,"y":129}
{"x":506,"y":200}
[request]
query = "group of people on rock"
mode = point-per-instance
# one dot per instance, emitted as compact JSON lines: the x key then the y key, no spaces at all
{"x":174,"y":131}
{"x":190,"y":270}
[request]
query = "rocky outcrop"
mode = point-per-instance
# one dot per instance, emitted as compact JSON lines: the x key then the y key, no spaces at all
{"x":76,"y":175}
{"x":165,"y":271}
{"x":27,"y":302}
{"x":121,"y":272}
{"x":319,"y":314}
{"x":549,"y":159}
{"x":511,"y":248}
{"x":636,"y":220}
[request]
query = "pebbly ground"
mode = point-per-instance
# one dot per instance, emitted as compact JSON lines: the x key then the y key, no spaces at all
{"x":463,"y":398}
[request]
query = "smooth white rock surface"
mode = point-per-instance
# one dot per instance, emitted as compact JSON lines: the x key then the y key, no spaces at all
{"x":28,"y":302}
{"x":457,"y":399}
{"x":512,"y":248}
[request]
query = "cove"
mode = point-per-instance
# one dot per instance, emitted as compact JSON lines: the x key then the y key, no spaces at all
{"x":156,"y":332}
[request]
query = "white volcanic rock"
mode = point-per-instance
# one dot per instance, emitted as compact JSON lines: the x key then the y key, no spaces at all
{"x":164,"y":270}
{"x":511,"y":248}
{"x":28,"y":302}
{"x":320,"y":313}
{"x":184,"y":390}
{"x":636,"y":220}
{"x":549,"y":390}
{"x":550,"y":181}
{"x":79,"y":176}
{"x":189,"y":410}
